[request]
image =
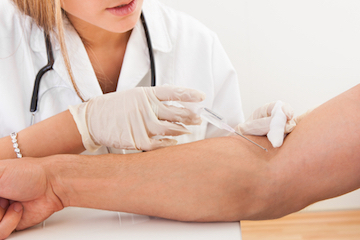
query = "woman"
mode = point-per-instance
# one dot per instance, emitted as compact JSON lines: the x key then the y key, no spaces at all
{"x":100,"y":47}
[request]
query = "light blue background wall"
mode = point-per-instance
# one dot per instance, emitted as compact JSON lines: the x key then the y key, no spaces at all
{"x":301,"y":52}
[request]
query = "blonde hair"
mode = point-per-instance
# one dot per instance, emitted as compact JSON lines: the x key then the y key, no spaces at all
{"x":48,"y":15}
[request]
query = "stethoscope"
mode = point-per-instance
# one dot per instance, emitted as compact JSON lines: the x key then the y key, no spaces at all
{"x":50,"y":64}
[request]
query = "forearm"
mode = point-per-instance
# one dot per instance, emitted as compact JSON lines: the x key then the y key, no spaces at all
{"x":55,"y":135}
{"x":225,"y":179}
{"x":201,"y":181}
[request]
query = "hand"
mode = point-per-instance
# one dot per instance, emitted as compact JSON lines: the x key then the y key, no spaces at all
{"x":32,"y":200}
{"x":275,"y":119}
{"x":129,"y":119}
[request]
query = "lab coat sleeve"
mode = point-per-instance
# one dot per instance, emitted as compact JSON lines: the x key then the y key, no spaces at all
{"x":227,"y":100}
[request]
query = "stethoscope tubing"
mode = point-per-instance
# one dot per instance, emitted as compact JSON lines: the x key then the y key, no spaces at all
{"x":40,"y":74}
{"x":150,"y":48}
{"x":50,"y":64}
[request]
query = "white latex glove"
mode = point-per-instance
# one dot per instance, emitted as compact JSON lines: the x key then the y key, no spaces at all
{"x":273,"y":119}
{"x":129,"y":119}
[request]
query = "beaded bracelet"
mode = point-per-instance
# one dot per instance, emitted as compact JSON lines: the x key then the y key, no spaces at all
{"x":15,"y":144}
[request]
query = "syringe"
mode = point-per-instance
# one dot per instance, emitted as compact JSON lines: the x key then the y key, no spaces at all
{"x":215,"y":119}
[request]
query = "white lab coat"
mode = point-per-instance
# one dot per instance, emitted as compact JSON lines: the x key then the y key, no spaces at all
{"x":186,"y":54}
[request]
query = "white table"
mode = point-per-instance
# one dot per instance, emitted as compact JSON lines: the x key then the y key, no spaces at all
{"x":89,"y":224}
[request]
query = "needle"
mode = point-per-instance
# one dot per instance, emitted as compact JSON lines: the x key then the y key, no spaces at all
{"x":218,"y":121}
{"x":251,"y":141}
{"x":215,"y":119}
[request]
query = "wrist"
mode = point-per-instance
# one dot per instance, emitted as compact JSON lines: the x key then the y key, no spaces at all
{"x":57,"y":169}
{"x":82,"y":180}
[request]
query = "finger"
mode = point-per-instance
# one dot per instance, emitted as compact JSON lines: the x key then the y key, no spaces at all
{"x":288,"y":110}
{"x":258,"y":127}
{"x":262,"y":112}
{"x":10,"y":220}
{"x":290,"y":125}
{"x":160,"y":143}
{"x":165,"y":128}
{"x":173,"y":93}
{"x":176,"y":114}
{"x":4,"y":204}
{"x":141,"y":137}
{"x":266,"y":110}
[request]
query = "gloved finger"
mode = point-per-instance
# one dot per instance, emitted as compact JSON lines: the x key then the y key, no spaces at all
{"x":165,"y":128}
{"x":288,"y":110}
{"x":173,"y":93}
{"x":262,"y":112}
{"x":277,"y":126}
{"x":258,"y":127}
{"x":177,"y":114}
{"x":159,"y":143}
{"x":265,"y":111}
{"x":290,"y":125}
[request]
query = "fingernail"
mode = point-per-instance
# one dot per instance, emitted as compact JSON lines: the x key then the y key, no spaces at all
{"x":3,"y":203}
{"x":18,"y":207}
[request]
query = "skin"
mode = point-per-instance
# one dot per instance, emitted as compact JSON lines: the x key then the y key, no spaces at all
{"x":105,"y":35}
{"x":92,"y":15}
{"x":68,"y":140}
{"x":220,"y":179}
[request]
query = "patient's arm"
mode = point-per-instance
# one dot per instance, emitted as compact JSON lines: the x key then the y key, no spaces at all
{"x":211,"y":180}
{"x":228,"y":179}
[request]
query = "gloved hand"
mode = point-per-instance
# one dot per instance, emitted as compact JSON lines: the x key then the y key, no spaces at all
{"x":274,"y":120}
{"x":129,"y":119}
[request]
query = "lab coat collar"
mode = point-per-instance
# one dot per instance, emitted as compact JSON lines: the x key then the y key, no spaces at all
{"x":155,"y":20}
{"x":136,"y":62}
